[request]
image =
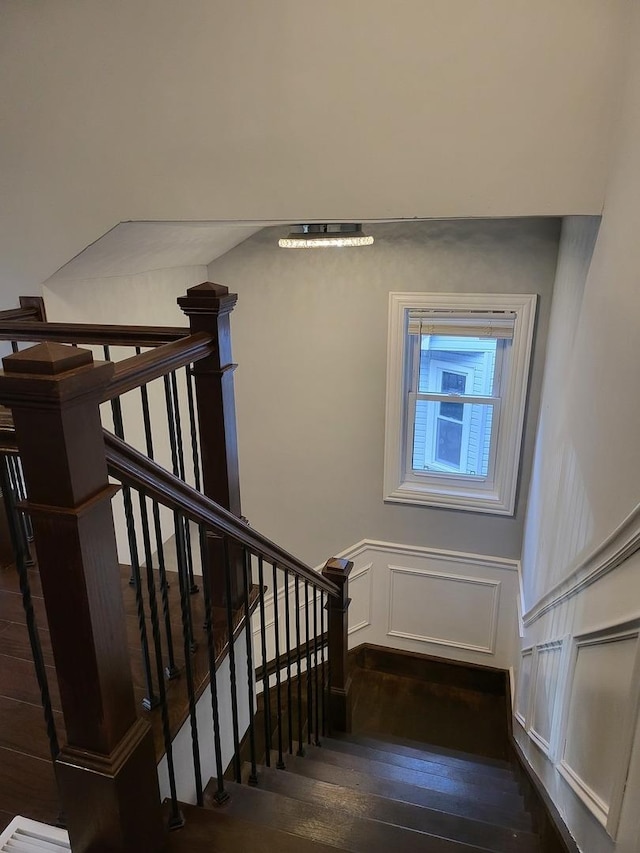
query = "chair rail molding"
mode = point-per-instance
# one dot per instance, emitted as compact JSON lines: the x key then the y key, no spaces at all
{"x":586,"y":570}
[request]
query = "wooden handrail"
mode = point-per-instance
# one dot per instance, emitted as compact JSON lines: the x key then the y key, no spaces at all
{"x":140,"y":369}
{"x":88,"y":333}
{"x":142,"y":473}
{"x":12,"y":315}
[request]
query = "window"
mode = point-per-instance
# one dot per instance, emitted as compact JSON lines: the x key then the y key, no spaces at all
{"x":456,"y":390}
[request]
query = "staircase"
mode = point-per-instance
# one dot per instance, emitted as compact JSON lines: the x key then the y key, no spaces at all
{"x":256,"y":624}
{"x":369,"y":795}
{"x":373,"y":790}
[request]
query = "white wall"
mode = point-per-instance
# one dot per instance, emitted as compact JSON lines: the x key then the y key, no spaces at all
{"x":278,"y":110}
{"x":310,"y":336}
{"x":183,"y":762}
{"x":443,"y":603}
{"x":310,"y":339}
{"x":580,"y":562}
{"x":147,"y":298}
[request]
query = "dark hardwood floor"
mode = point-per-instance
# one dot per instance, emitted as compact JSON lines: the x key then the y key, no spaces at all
{"x":27,"y":783}
{"x":443,"y":712}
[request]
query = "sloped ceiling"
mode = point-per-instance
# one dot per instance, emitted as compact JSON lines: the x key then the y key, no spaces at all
{"x":136,"y":247}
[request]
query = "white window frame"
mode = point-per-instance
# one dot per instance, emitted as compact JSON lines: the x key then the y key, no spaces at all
{"x":497,"y":493}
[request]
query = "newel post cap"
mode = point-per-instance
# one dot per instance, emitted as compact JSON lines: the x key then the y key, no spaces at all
{"x":51,"y":374}
{"x":208,"y":298}
{"x":337,"y":570}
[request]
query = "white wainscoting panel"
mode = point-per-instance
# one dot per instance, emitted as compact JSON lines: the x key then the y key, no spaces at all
{"x":545,"y":689}
{"x":361,"y":594}
{"x":523,"y":692}
{"x":601,"y":718}
{"x":445,"y":603}
{"x":444,"y":609}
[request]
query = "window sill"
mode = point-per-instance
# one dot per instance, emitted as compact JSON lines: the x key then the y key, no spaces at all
{"x":471,"y":500}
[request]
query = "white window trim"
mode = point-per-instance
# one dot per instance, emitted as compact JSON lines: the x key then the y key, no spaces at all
{"x":457,"y":492}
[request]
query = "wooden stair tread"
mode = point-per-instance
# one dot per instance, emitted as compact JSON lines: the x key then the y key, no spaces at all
{"x":406,"y":792}
{"x":479,"y":792}
{"x":206,"y":830}
{"x":321,"y":823}
{"x":467,"y":771}
{"x":415,"y":748}
{"x":418,"y":818}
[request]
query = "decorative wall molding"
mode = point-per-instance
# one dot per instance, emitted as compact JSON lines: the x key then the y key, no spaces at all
{"x":434,"y":615}
{"x":523,"y":695}
{"x":364,"y":572}
{"x":556,"y":648}
{"x":463,"y":557}
{"x":491,"y":620}
{"x":622,"y":730}
{"x":607,"y":556}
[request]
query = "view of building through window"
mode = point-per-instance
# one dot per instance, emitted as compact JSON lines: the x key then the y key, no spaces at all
{"x":451,"y":435}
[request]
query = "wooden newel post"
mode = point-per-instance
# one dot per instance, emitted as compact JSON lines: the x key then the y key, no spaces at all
{"x":208,"y":307}
{"x":106,"y":771}
{"x":339,"y":688}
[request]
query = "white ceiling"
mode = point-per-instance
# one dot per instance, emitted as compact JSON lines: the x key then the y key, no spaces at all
{"x":136,"y":247}
{"x":195,"y":111}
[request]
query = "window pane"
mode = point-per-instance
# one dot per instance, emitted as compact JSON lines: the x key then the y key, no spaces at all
{"x":453,"y":383}
{"x":452,"y":410}
{"x":448,"y":442}
{"x":452,"y":438}
{"x":457,"y":365}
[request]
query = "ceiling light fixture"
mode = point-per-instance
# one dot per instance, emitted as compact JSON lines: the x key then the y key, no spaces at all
{"x":327,"y":236}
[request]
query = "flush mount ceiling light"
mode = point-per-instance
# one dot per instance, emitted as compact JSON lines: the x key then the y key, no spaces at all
{"x":328,"y":236}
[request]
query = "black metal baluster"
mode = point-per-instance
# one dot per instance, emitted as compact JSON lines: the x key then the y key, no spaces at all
{"x":151,"y":700}
{"x":178,"y":525}
{"x":315,"y":665}
{"x":19,"y":495}
{"x":25,"y":515}
{"x":15,"y":533}
{"x":195,"y":453}
{"x":171,"y":670}
{"x":299,"y":666}
{"x":280,"y":763}
{"x":176,"y":818}
{"x":266,"y":693}
{"x":14,"y":346}
{"x":220,"y":795}
{"x":288,"y":632}
{"x":308,"y":654}
{"x":246,"y":559}
{"x":232,"y":666}
{"x":322,"y":666}
{"x":183,"y":583}
{"x":193,"y":587}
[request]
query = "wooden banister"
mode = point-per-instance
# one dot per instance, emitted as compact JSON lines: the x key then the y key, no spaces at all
{"x":31,"y":308}
{"x":106,"y":771}
{"x":339,"y":688}
{"x":11,"y":315}
{"x":140,"y":472}
{"x":140,"y":369}
{"x":90,"y":333}
{"x":208,"y":307}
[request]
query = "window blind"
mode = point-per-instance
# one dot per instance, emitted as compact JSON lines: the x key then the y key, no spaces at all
{"x":472,"y":324}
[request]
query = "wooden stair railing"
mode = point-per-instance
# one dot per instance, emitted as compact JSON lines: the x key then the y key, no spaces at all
{"x":106,"y":770}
